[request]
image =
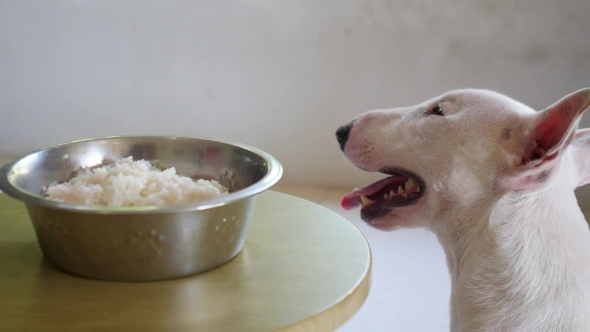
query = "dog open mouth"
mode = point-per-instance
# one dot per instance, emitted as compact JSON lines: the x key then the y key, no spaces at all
{"x":401,"y":188}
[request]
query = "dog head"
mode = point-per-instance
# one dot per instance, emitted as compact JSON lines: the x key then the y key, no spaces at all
{"x":454,"y":151}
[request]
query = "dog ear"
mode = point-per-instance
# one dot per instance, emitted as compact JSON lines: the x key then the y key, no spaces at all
{"x":581,"y":145}
{"x":550,"y":131}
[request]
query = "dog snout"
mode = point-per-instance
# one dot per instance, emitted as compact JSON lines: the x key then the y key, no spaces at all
{"x":342,"y":134}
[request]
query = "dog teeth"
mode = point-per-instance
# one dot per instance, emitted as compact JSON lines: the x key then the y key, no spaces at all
{"x":366,"y":201}
{"x":400,"y":190}
{"x":410,"y":185}
{"x":386,"y":196}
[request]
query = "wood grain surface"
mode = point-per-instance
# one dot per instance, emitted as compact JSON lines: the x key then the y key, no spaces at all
{"x":303,"y":268}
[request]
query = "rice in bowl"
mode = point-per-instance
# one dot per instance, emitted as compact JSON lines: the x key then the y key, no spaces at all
{"x":126,"y":182}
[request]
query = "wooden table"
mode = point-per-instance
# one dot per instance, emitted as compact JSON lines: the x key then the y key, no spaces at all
{"x":303,"y":268}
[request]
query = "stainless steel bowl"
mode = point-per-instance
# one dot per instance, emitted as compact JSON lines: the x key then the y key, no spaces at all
{"x":142,"y":243}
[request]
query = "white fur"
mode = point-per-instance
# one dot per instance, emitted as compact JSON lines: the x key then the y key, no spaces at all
{"x":516,"y":241}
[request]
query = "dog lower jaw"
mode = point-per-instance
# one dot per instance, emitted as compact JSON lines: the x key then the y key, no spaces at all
{"x":373,"y":212}
{"x":400,"y":188}
{"x":384,"y":223}
{"x":376,"y":213}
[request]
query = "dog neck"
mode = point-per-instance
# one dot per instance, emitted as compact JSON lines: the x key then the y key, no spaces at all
{"x":518,"y":253}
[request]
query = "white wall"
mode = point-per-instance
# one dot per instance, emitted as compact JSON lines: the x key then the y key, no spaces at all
{"x":279,"y":75}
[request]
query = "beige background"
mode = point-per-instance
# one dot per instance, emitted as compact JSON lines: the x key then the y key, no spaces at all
{"x":279,"y":75}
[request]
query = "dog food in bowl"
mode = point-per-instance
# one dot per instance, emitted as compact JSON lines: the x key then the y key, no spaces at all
{"x":141,"y":243}
{"x":126,"y":182}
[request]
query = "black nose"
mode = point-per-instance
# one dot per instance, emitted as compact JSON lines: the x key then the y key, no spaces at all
{"x":342,"y":134}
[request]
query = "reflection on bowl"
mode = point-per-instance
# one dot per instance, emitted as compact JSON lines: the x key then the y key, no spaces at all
{"x":142,"y":243}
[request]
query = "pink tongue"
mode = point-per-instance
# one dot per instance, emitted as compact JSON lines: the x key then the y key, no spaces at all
{"x":353,"y":199}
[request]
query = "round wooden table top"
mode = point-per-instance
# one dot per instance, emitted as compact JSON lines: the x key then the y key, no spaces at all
{"x":303,"y":268}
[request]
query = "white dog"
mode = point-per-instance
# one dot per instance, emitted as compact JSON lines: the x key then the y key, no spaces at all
{"x":494,"y":180}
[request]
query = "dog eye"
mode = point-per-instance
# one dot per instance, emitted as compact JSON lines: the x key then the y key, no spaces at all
{"x":436,"y":110}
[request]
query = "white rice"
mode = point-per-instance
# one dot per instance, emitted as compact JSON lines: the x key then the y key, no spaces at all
{"x":133,"y":183}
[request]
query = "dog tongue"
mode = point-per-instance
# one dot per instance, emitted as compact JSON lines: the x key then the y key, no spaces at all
{"x":353,"y":199}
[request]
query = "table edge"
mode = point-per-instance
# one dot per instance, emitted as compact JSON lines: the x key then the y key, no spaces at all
{"x":338,"y":314}
{"x":341,"y":312}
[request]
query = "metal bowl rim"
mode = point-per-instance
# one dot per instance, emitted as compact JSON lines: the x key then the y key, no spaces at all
{"x":274,"y":174}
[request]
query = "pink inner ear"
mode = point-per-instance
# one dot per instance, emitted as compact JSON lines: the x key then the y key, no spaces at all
{"x":538,"y":153}
{"x":559,"y":119}
{"x":551,"y":130}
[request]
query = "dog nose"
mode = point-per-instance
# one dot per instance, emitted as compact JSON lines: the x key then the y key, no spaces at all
{"x":342,"y":134}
